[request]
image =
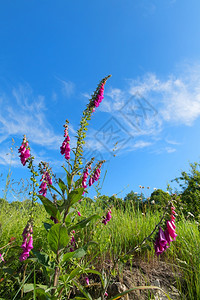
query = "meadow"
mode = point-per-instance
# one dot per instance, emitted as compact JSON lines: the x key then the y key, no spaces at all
{"x":127,"y":228}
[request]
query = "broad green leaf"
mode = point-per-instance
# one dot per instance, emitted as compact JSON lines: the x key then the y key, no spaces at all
{"x":58,"y":237}
{"x":75,"y":195}
{"x":44,"y":259}
{"x":68,"y":220}
{"x":67,"y":256}
{"x":79,"y":253}
{"x":28,"y":287}
{"x":47,"y":226}
{"x":83,"y":223}
{"x":50,"y":207}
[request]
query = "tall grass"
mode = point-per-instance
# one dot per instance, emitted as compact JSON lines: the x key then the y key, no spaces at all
{"x":126,"y":229}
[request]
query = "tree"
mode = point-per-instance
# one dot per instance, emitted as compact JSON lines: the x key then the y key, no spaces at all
{"x":134,"y":199}
{"x":159,"y":198}
{"x":190,"y":190}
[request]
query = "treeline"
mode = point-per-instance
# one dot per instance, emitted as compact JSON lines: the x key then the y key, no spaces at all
{"x":187,"y":196}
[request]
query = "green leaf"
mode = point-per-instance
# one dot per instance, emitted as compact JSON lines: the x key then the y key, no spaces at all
{"x":42,"y":295}
{"x":62,"y":185}
{"x":50,"y":207}
{"x":78,"y":253}
{"x":66,"y":170}
{"x":68,"y":220}
{"x":52,"y":187}
{"x":47,"y":226}
{"x":43,"y":259}
{"x":74,"y":273}
{"x":83,"y":223}
{"x":28,"y":287}
{"x":75,"y":195}
{"x":78,"y":182}
{"x":58,"y":237}
{"x":69,"y":180}
{"x":67,"y":256}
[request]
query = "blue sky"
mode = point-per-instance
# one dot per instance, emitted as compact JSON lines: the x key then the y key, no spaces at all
{"x":54,"y":53}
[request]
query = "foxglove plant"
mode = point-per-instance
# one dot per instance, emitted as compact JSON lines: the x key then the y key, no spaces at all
{"x":46,"y":178}
{"x":165,"y":238}
{"x":24,"y":151}
{"x":60,"y":234}
{"x":27,"y":243}
{"x":65,"y":148}
{"x":107,"y":218}
{"x":96,"y":172}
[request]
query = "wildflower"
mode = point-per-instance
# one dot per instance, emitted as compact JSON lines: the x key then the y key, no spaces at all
{"x":99,"y":96}
{"x":1,"y":257}
{"x":96,"y":172}
{"x":46,"y":180}
{"x":171,"y":230}
{"x":107,"y":218}
{"x":85,"y":176}
{"x":24,"y":151}
{"x":168,"y":237}
{"x":160,"y":243}
{"x":73,"y":243}
{"x":106,"y":294}
{"x":65,"y":148}
{"x":27,"y":243}
{"x":161,"y":237}
{"x":173,"y":218}
{"x":79,"y":214}
{"x":87,"y":280}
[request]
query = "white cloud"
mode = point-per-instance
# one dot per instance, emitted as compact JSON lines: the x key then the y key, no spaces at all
{"x":150,"y":103}
{"x":67,"y":88}
{"x":8,"y":158}
{"x":24,"y":113}
{"x":170,"y":149}
{"x":172,"y":142}
{"x":114,"y":100}
{"x":177,"y":97}
{"x":141,"y":144}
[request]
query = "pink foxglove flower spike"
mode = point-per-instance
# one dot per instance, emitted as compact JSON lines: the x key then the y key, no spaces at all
{"x":24,"y":151}
{"x":27,"y":243}
{"x":65,"y":148}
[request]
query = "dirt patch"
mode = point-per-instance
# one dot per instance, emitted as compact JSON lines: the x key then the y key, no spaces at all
{"x":139,"y":273}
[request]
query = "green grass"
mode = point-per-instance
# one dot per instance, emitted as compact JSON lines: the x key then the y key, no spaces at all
{"x":125,"y":230}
